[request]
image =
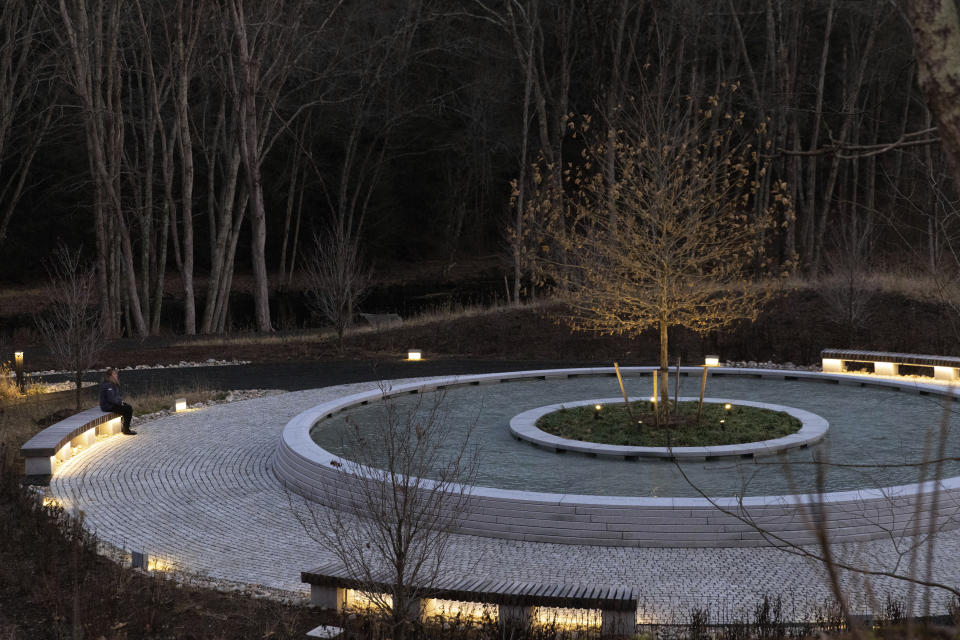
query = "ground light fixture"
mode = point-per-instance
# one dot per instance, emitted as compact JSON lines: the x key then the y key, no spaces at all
{"x":180,"y":405}
{"x":414,"y":354}
{"x":18,"y":367}
{"x":596,"y":411}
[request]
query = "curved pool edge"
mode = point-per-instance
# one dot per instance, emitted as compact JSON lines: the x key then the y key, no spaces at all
{"x":813,"y":429}
{"x":316,"y":474}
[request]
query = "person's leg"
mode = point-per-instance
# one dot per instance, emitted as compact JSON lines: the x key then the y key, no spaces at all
{"x":126,"y":411}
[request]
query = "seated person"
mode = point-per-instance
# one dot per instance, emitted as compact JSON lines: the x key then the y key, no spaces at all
{"x":111,"y":400}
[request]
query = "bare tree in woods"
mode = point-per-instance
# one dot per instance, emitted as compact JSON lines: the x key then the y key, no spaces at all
{"x":411,"y":493}
{"x":226,"y":202}
{"x":335,"y":274}
{"x":186,"y":31}
{"x":336,"y":278}
{"x":296,"y":189}
{"x":684,"y":238}
{"x":92,"y":65}
{"x":849,"y":286}
{"x":263,"y":42}
{"x":930,"y":233}
{"x":70,"y":323}
{"x":23,"y":124}
{"x":543,"y":35}
{"x":168,"y":43}
{"x":247,"y":41}
{"x":173,"y":48}
{"x":148,"y":92}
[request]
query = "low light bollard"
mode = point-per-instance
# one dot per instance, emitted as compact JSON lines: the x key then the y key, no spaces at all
{"x":18,"y":367}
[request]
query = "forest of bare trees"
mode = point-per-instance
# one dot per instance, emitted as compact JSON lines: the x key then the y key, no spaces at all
{"x":184,"y":142}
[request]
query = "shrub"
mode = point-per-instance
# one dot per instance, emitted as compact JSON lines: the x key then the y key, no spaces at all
{"x":8,"y":384}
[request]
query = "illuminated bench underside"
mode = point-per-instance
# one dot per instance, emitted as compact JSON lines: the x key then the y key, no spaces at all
{"x":330,"y":588}
{"x":945,"y":368}
{"x":44,"y":451}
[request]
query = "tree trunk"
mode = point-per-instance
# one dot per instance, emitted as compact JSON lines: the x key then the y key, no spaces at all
{"x":810,"y":218}
{"x":664,"y":370}
{"x":186,"y":186}
{"x":249,"y":124}
{"x":936,"y":37}
{"x":130,"y":276}
{"x":517,"y":244}
{"x":258,"y":229}
{"x":294,"y":201}
{"x":185,"y":40}
{"x":296,"y":239}
{"x":158,"y":286}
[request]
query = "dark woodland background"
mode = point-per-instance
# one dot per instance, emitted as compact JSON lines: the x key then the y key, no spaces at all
{"x":147,"y":132}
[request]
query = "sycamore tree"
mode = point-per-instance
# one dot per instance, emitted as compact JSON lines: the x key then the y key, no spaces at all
{"x":662,"y":224}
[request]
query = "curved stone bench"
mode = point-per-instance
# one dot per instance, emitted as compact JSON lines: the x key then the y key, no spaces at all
{"x":523,"y":426}
{"x":331,"y":586}
{"x":317,"y":474}
{"x":885,"y":363}
{"x":44,"y":451}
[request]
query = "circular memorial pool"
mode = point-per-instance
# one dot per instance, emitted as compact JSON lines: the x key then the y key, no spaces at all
{"x":877,"y":437}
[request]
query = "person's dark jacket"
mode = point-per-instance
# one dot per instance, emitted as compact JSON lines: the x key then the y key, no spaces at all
{"x":110,"y":398}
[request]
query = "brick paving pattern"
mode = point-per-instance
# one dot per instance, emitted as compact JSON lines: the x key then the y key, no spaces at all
{"x":196,"y":490}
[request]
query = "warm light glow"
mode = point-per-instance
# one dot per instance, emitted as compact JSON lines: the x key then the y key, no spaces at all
{"x":597,"y":407}
{"x":832,"y":365}
{"x":728,"y":406}
{"x":113,"y":426}
{"x":568,"y":618}
{"x":653,"y":399}
{"x":85,"y":439}
{"x":18,"y":367}
{"x":945,"y":373}
{"x":885,"y":368}
{"x":181,"y":404}
{"x":414,"y":354}
{"x":711,"y":361}
{"x":159,"y":564}
{"x":473,"y":611}
{"x":51,"y":502}
{"x":356,"y":599}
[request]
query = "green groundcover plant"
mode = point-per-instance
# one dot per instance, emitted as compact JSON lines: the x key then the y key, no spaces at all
{"x":718,"y":425}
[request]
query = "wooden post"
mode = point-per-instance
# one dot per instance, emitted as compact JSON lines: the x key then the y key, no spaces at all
{"x":656,"y":397}
{"x":623,"y":392}
{"x":703,"y":387}
{"x":676,"y":390}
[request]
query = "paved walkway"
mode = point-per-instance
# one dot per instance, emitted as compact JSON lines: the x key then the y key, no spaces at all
{"x":196,"y":490}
